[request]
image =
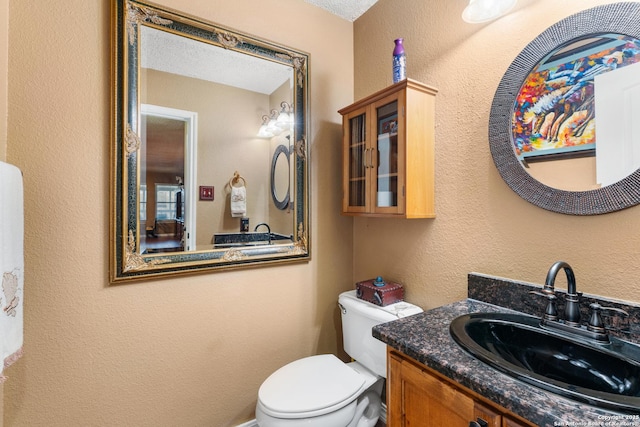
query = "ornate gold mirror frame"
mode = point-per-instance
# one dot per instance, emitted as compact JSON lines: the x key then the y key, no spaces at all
{"x":127,"y":261}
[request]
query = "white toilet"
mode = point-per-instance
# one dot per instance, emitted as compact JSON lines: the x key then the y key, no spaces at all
{"x":323,"y":391}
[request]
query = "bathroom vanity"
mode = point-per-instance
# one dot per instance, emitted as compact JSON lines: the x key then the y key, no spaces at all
{"x":418,"y":393}
{"x":432,"y":381}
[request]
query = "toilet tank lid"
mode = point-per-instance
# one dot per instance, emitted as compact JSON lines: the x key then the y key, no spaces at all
{"x":398,"y":309}
{"x":310,"y":384}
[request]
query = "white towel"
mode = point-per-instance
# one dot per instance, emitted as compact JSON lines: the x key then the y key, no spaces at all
{"x":238,"y":201}
{"x":11,"y":265}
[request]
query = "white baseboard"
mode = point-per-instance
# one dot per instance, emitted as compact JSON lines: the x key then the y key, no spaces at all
{"x":252,"y":423}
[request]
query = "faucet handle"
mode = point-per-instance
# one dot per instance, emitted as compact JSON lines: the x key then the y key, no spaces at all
{"x":596,"y":306}
{"x":551,"y":312}
{"x":544,"y":293}
{"x":595,"y":321}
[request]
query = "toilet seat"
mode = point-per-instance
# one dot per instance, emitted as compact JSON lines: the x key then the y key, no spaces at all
{"x":310,"y":387}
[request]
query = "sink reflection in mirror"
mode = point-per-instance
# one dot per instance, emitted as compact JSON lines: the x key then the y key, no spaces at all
{"x":603,"y":375}
{"x":230,"y":240}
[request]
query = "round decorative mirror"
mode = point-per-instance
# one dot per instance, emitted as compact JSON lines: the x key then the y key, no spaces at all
{"x":280,"y":177}
{"x":560,"y":128}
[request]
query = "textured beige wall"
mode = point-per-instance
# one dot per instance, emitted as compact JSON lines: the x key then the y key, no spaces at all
{"x":481,"y":224}
{"x":190,"y":351}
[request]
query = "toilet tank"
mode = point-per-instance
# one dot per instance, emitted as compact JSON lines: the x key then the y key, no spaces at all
{"x":358,"y":317}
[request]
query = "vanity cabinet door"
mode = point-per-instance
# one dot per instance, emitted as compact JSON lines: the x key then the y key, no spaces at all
{"x":418,"y":399}
{"x":416,"y":396}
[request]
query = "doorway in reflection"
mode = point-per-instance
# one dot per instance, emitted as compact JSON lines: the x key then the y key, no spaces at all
{"x":164,"y":187}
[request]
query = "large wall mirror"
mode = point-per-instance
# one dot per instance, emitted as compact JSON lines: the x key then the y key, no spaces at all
{"x":200,"y":113}
{"x":563,"y":125}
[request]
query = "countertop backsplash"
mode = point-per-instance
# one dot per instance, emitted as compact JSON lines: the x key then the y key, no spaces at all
{"x":515,"y":295}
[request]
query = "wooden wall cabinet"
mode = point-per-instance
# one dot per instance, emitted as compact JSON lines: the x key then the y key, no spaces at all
{"x":388,"y":153}
{"x":418,"y":396}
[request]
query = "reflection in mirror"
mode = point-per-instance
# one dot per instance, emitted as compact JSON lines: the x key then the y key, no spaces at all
{"x":280,"y":177}
{"x":549,"y":96}
{"x":581,"y":83}
{"x":190,"y":99}
{"x":167,"y":172}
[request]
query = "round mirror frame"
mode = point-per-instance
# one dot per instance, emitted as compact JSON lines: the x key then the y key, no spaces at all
{"x":283,"y":204}
{"x":622,"y":18}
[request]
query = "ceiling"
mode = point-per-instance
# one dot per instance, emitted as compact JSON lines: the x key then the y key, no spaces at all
{"x":346,"y":9}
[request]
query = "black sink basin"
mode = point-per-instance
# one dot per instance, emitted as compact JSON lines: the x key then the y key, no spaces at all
{"x":601,"y":375}
{"x":230,"y":240}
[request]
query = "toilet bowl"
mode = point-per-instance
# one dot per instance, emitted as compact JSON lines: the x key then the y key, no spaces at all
{"x":323,"y":391}
{"x":319,"y":391}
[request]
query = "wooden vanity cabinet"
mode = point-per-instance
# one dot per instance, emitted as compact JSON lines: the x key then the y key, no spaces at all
{"x":418,"y":396}
{"x":388,"y":153}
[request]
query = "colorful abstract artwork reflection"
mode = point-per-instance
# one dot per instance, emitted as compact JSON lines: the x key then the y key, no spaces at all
{"x":554,"y":113}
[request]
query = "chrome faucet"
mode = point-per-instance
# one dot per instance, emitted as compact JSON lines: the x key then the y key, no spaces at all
{"x":263,"y":224}
{"x":571,"y":324}
{"x":268,"y":229}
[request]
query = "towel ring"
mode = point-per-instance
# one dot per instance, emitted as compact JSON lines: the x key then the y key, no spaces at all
{"x":236,"y":179}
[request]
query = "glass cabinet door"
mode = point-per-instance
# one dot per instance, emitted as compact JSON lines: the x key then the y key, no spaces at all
{"x":372,"y":159}
{"x":386,"y":179}
{"x":358,"y":157}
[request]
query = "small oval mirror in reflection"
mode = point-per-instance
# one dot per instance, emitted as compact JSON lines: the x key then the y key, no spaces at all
{"x":280,"y":177}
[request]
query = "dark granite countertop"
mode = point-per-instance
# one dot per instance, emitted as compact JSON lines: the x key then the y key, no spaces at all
{"x":425,"y":337}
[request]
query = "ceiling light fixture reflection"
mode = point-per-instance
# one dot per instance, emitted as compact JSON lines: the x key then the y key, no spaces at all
{"x":264,"y":131}
{"x":479,"y":11}
{"x":277,"y":121}
{"x":285,"y":118}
